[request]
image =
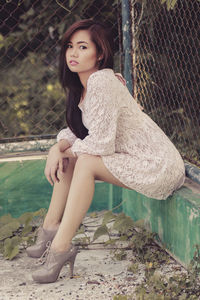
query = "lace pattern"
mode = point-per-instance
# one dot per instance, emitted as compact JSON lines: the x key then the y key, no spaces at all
{"x":67,"y":134}
{"x":133,"y":148}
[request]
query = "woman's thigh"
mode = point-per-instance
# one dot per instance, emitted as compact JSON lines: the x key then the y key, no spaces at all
{"x":95,"y":165}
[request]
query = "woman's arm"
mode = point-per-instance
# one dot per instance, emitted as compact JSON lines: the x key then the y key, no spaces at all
{"x":101,"y":114}
{"x":66,"y":134}
{"x":63,"y":145}
{"x":65,"y":139}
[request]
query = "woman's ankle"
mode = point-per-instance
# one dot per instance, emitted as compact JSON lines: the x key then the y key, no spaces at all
{"x":50,"y":226}
{"x":60,"y":247}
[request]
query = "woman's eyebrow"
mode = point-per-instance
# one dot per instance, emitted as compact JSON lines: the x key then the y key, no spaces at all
{"x":80,"y":42}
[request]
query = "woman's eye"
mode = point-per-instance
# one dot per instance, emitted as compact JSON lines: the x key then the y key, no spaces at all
{"x":69,"y":46}
{"x":83,"y":47}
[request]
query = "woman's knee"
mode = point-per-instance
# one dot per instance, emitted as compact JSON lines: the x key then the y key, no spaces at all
{"x":86,"y":162}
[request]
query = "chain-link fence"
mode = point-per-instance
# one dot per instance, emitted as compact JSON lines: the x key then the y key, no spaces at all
{"x":165,"y":64}
{"x":32,"y":102}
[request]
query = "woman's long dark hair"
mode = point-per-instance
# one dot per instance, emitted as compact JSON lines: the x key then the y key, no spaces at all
{"x":70,"y":81}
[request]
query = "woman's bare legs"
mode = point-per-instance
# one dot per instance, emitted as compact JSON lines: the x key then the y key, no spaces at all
{"x":87,"y":169}
{"x":59,"y":197}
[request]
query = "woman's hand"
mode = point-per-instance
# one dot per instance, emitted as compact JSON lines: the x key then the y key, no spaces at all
{"x":65,"y":148}
{"x":63,"y":145}
{"x":56,"y":161}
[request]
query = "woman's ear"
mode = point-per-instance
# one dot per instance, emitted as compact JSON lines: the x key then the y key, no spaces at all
{"x":100,"y":58}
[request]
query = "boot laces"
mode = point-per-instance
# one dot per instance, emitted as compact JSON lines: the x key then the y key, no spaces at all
{"x":43,"y":258}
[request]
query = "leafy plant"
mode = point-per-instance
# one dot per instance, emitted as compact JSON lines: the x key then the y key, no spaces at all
{"x":122,"y":234}
{"x":17,"y":233}
{"x":170,"y":3}
{"x":32,"y":100}
{"x":142,"y":242}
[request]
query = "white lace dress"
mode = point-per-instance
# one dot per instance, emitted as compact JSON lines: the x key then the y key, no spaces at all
{"x":132,"y":146}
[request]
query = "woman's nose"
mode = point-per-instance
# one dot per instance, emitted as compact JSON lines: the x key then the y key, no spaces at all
{"x":74,"y":52}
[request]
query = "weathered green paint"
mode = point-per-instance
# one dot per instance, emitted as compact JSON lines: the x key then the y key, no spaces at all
{"x":176,"y":220}
{"x":23,"y":187}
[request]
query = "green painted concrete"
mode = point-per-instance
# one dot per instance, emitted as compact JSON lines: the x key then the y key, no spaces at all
{"x":176,"y":220}
{"x":23,"y":187}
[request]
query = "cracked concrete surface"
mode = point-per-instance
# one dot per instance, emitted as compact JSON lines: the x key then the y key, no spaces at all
{"x":97,"y":275}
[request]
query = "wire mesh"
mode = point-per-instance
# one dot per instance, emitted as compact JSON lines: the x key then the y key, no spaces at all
{"x":165,"y":64}
{"x":165,"y":60}
{"x":32,"y":102}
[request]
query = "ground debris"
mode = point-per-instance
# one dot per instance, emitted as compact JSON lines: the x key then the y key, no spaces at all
{"x":98,"y":273}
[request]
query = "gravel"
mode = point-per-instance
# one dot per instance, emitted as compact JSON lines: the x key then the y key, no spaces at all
{"x":97,"y":275}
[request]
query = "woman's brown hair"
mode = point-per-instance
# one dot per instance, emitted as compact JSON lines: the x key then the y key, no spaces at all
{"x":101,"y":37}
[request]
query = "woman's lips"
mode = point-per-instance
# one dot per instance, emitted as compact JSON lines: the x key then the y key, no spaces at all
{"x":73,"y":63}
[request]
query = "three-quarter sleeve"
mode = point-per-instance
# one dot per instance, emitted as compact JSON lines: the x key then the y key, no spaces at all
{"x":66,"y":134}
{"x":101,"y":114}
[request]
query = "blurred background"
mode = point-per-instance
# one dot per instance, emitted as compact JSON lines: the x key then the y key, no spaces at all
{"x":164,"y":64}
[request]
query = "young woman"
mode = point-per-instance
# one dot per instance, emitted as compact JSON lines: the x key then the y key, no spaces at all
{"x":108,"y":138}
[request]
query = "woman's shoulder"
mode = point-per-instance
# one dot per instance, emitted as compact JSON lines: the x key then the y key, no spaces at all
{"x":101,"y":76}
{"x":105,"y":78}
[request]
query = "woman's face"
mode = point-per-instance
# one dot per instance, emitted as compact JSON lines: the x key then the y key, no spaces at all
{"x":81,"y":53}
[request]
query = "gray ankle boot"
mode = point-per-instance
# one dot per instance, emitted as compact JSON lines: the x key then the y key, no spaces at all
{"x":44,"y":236}
{"x":53,"y":263}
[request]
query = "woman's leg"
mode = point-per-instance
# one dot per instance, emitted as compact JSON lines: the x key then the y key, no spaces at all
{"x":59,"y":197}
{"x":87,"y":169}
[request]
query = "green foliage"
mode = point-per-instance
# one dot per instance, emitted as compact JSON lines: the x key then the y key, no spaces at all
{"x":195,"y":263}
{"x":8,"y":229}
{"x":175,"y":287}
{"x":108,"y":216}
{"x":120,"y":254}
{"x":31,"y":100}
{"x":121,"y":297}
{"x":133,"y":268}
{"x":123,"y":224}
{"x":170,"y":3}
{"x":166,"y":84}
{"x":16,"y":233}
{"x":152,"y":256}
{"x":102,"y":230}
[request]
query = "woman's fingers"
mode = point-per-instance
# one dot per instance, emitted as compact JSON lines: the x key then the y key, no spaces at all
{"x":51,"y":175}
{"x":65,"y":164}
{"x":56,"y":161}
{"x":48,"y":176}
{"x":60,"y":165}
{"x":54,"y":176}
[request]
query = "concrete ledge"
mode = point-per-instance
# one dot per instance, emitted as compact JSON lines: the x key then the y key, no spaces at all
{"x":23,"y":187}
{"x":176,"y":220}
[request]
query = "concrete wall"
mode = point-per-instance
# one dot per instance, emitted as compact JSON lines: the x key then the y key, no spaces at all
{"x":23,"y":187}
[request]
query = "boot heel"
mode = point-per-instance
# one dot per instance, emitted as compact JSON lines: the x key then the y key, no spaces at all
{"x":54,"y":261}
{"x":71,"y":265}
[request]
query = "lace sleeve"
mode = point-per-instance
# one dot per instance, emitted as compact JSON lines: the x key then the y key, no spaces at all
{"x":101,"y":113}
{"x":66,"y":134}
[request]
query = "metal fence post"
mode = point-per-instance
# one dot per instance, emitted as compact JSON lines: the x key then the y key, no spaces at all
{"x":127,"y":44}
